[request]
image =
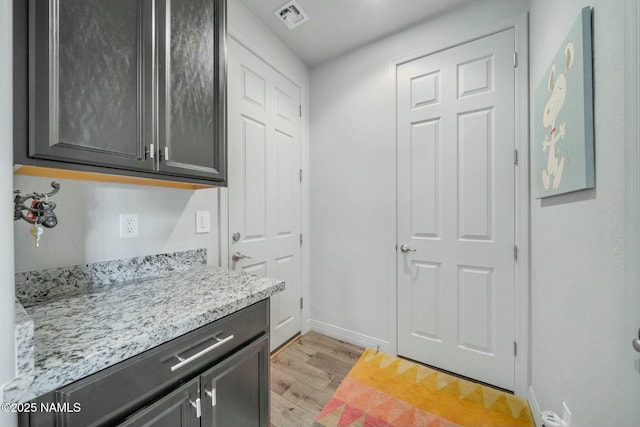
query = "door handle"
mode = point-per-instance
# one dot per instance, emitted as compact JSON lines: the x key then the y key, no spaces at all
{"x":405,"y":249}
{"x":636,"y":343}
{"x":212,"y":394}
{"x":196,"y":406}
{"x":238,"y":256}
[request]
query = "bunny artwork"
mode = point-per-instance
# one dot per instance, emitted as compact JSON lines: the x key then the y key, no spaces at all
{"x":557,"y":86}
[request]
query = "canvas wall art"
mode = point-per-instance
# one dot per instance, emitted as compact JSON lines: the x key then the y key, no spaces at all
{"x":563,"y":146}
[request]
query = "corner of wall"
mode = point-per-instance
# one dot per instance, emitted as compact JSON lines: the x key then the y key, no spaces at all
{"x":535,"y":408}
{"x":7,"y":289}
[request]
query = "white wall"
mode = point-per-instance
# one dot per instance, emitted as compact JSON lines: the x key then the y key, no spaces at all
{"x":250,"y":31}
{"x":578,"y":240}
{"x":245,"y":28}
{"x":7,"y":353}
{"x":353,"y":226}
{"x":88,"y":223}
{"x":631,"y":383}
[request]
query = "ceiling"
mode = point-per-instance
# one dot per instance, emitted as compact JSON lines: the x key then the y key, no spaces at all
{"x":338,"y":26}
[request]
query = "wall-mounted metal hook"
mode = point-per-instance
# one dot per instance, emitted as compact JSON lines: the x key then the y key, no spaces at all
{"x":39,"y":211}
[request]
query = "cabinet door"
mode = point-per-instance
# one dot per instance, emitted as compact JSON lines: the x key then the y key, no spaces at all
{"x":177,"y":409}
{"x":236,"y":391}
{"x":191,"y":91}
{"x":91,"y":82}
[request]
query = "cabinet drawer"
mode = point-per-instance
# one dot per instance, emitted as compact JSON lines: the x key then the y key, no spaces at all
{"x":118,"y":390}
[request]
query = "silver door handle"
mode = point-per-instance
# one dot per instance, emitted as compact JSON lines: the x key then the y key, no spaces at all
{"x":200,"y":354}
{"x":197,"y":406}
{"x":636,"y":343}
{"x":212,"y":394}
{"x":238,"y":256}
{"x":405,"y":249}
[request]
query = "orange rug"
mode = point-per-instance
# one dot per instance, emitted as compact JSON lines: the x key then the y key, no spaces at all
{"x":385,"y":391}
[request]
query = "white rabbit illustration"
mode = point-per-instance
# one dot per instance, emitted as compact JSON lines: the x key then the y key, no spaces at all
{"x":552,"y":176}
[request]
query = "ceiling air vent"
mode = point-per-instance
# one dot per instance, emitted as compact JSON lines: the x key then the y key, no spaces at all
{"x":291,"y":14}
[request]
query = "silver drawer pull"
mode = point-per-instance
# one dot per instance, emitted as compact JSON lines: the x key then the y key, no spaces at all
{"x":200,"y":354}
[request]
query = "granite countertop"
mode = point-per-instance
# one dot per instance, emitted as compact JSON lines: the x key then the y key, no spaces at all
{"x":79,"y":333}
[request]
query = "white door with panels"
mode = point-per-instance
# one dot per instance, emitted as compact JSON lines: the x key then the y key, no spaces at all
{"x":456,"y":209}
{"x":264,"y":182}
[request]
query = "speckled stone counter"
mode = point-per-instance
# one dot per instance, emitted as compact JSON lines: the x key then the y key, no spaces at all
{"x":32,"y":286}
{"x":79,"y":333}
{"x":24,"y":341}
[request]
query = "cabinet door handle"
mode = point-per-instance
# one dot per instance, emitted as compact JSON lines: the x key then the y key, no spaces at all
{"x":200,"y":354}
{"x":212,"y":394}
{"x":197,"y":406}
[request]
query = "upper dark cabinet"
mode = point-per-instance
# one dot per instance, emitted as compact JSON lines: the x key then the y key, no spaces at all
{"x":191,"y":87}
{"x":131,"y":85}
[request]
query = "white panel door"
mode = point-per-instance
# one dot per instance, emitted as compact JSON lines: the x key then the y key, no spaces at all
{"x":456,"y":268}
{"x":264,"y":186}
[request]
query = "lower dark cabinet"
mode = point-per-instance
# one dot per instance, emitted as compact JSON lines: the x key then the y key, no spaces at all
{"x":236,"y":392}
{"x":177,"y":409}
{"x":215,"y":376}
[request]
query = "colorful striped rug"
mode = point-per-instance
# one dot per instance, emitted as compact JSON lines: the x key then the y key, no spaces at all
{"x":383,"y":390}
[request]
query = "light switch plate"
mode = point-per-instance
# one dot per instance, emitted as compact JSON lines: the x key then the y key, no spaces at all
{"x":203,"y":222}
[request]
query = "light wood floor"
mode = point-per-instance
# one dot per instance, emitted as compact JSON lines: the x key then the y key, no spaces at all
{"x":305,"y":375}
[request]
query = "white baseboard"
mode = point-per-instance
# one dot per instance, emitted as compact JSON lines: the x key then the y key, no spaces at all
{"x":306,"y":326}
{"x":348,"y":336}
{"x":535,"y":408}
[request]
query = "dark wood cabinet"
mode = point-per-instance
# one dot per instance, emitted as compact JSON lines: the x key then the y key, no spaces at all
{"x":89,"y":99}
{"x":134,"y":87}
{"x":215,"y":376}
{"x":191,"y":89}
{"x":236,"y":392}
{"x":177,"y":409}
{"x":233,"y":393}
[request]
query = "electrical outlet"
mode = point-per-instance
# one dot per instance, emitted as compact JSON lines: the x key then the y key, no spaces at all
{"x":566,"y":414}
{"x":128,"y":226}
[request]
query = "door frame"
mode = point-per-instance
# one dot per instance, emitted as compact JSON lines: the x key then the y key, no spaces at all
{"x":520,"y":24}
{"x":223,"y":193}
{"x":632,"y":215}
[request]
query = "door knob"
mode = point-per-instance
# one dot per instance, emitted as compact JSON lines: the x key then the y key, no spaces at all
{"x":238,"y":256}
{"x":236,"y":236}
{"x":636,"y":343}
{"x":405,"y":249}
